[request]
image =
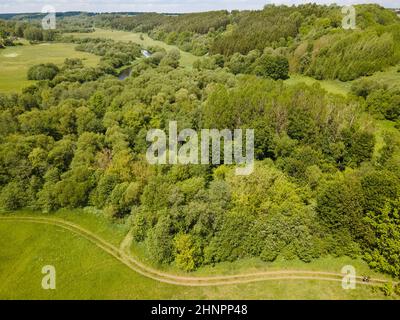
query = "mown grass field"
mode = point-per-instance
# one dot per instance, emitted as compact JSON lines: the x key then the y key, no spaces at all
{"x":15,"y":61}
{"x":84,"y":271}
{"x":187,"y":58}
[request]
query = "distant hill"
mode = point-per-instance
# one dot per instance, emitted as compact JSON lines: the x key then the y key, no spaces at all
{"x":39,"y":15}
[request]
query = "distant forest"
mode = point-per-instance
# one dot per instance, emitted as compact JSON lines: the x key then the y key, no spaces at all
{"x":309,"y":36}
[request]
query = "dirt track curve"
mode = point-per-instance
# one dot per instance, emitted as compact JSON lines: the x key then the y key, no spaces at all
{"x":126,"y":258}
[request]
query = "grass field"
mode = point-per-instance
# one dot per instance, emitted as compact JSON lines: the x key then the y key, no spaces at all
{"x":331,"y":86}
{"x":187,"y":58}
{"x":328,"y":264}
{"x":15,"y":61}
{"x":84,"y":271}
{"x":389,"y":77}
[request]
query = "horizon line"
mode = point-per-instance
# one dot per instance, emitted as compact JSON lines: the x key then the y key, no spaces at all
{"x":186,"y":12}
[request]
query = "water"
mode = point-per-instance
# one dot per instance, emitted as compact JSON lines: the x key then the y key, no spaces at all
{"x":146,"y":53}
{"x":125,"y":74}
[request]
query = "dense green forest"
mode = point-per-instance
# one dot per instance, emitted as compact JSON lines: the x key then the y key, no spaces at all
{"x":322,"y":183}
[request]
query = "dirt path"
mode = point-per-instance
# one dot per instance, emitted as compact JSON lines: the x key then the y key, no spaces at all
{"x":122,"y":254}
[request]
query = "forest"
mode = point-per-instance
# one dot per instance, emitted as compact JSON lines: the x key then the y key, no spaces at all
{"x":310,"y":36}
{"x":326,"y":179}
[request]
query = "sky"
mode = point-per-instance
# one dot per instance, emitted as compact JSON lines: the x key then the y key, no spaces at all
{"x":17,"y":6}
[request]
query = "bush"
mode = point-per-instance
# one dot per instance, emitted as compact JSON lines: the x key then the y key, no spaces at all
{"x":364,"y":87}
{"x":159,"y":241}
{"x":388,"y":289}
{"x":185,"y":252}
{"x":385,"y":103}
{"x":13,"y":196}
{"x":272,"y":66}
{"x":43,"y":72}
{"x":171,"y":59}
{"x":384,"y":253}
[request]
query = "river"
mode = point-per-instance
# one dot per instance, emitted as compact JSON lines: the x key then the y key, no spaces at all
{"x":127,"y":72}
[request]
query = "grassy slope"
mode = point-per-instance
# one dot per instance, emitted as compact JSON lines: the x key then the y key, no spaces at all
{"x":389,"y":77}
{"x":15,"y":61}
{"x":187,"y":58}
{"x":332,"y":86}
{"x":85,"y":271}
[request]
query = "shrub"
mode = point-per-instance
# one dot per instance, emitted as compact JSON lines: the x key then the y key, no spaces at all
{"x":272,"y":66}
{"x":364,"y":87}
{"x":43,"y":72}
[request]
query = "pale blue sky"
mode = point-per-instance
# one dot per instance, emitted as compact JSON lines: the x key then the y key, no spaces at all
{"x":7,"y":6}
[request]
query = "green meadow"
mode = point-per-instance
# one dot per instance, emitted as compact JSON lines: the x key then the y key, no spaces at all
{"x":84,"y":271}
{"x":390,"y":78}
{"x":15,"y":61}
{"x":332,"y":86}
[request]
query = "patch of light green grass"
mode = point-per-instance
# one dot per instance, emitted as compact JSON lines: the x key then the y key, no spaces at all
{"x":255,"y":265}
{"x":331,"y":86}
{"x":390,"y":77}
{"x":15,"y":61}
{"x":90,"y":219}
